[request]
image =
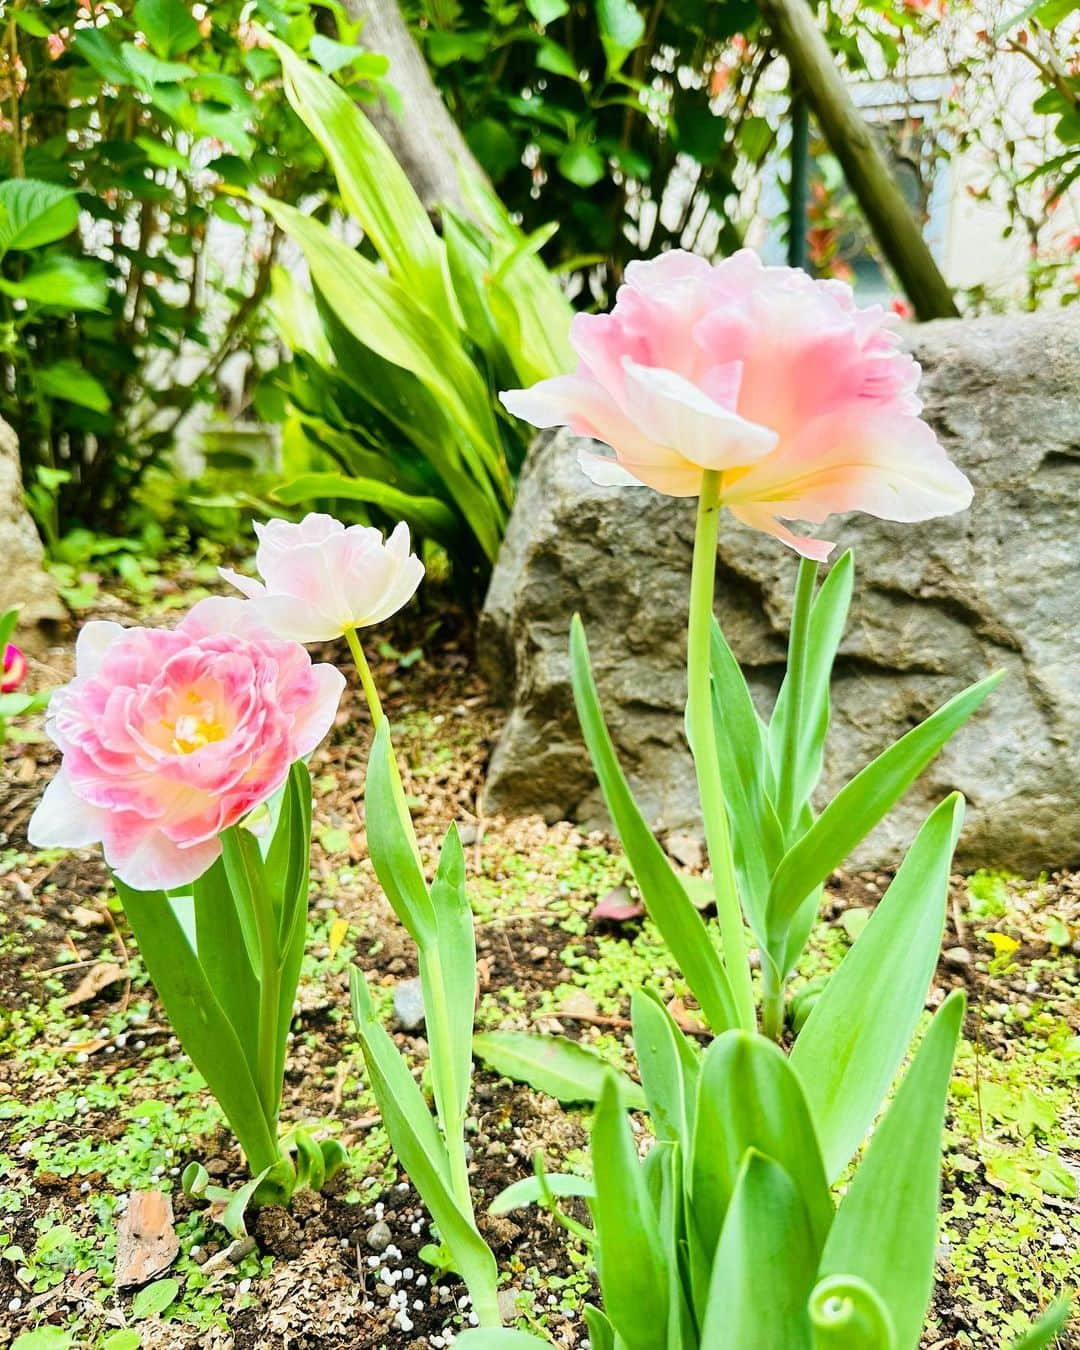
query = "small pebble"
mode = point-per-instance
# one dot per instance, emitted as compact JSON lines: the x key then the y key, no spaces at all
{"x":379,"y":1237}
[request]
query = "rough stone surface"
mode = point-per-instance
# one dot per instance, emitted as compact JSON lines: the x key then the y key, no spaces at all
{"x":936,"y":607}
{"x":23,"y":579}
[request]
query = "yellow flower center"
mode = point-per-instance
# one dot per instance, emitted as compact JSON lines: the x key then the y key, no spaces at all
{"x":192,"y":730}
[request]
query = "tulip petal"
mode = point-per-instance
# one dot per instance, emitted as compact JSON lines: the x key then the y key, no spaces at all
{"x":681,"y":479}
{"x":295,"y":619}
{"x":317,"y":717}
{"x":94,"y":640}
{"x":758,"y":518}
{"x":146,"y":860}
{"x":676,"y":414}
{"x":63,"y":820}
{"x":246,"y":585}
{"x":889,"y":465}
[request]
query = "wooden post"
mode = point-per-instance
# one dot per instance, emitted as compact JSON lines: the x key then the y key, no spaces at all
{"x":865,"y":167}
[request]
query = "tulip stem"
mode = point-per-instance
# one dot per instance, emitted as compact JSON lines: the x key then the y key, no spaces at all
{"x":702,"y":730}
{"x":367,"y":680}
{"x":371,"y":693}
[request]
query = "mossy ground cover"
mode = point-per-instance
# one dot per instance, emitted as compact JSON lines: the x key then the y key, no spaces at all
{"x":96,"y":1099}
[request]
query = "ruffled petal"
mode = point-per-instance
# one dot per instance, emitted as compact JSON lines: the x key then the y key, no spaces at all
{"x":678,"y":415}
{"x":63,"y":820}
{"x":94,"y":640}
{"x":888,"y":465}
{"x":760,"y":519}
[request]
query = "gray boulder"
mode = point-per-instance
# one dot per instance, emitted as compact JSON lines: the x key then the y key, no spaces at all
{"x":936,"y":607}
{"x":23,"y":579}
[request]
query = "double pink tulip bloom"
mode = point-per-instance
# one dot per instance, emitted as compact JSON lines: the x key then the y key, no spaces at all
{"x":170,"y":737}
{"x":798,"y":399}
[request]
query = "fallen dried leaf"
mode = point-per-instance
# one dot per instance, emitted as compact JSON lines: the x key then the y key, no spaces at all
{"x":97,"y":978}
{"x":146,"y":1242}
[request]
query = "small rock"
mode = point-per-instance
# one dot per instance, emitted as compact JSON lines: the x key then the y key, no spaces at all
{"x":236,"y":1251}
{"x":397,"y":966}
{"x":467,"y":833}
{"x":578,"y":1004}
{"x":408,"y":1005}
{"x":538,"y":954}
{"x":957,"y":958}
{"x":685,"y":849}
{"x":508,"y":1305}
{"x":378,"y":1237}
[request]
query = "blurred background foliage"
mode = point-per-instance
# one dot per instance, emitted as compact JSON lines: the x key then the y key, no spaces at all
{"x":219,"y":294}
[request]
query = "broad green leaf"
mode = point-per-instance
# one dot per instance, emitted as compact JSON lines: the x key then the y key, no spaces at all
{"x":846,"y":1314}
{"x":332,"y":55}
{"x":224,"y":958}
{"x":1047,"y":1329}
{"x":547,"y":11}
{"x":373,"y":186}
{"x":825,"y":628}
{"x":749,"y":1097}
{"x":33,"y":213}
{"x":290,"y":879}
{"x":601,"y":1332}
{"x":168,"y":26}
{"x":149,"y":71}
{"x":622,"y":27}
{"x":418,"y":1147}
{"x":391,"y":847}
{"x":64,"y":282}
{"x":765,"y":1262}
{"x":530,"y":1191}
{"x":670,"y":908}
{"x":858,"y":1031}
{"x":382,"y":315}
{"x":448,"y":979}
{"x":863,"y":802}
{"x":68,"y":381}
{"x":102,"y":53}
{"x":582,"y":163}
{"x":43,"y":1338}
{"x":556,"y":1065}
{"x":198,"y":1019}
{"x":530,"y":291}
{"x":247,"y":881}
{"x":154,"y":1299}
{"x":742,"y":754}
{"x":427,"y":515}
{"x":232,"y":1215}
{"x":631,"y":1261}
{"x":8,"y":620}
{"x":885,"y":1230}
{"x":669,"y":1067}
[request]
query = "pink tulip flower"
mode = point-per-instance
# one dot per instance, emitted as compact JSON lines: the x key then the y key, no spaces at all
{"x":170,"y":737}
{"x":799,"y":400}
{"x":14,"y":671}
{"x":320,"y":579}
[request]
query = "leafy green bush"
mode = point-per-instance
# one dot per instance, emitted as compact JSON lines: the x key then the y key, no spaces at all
{"x":397,"y":360}
{"x":117,"y":313}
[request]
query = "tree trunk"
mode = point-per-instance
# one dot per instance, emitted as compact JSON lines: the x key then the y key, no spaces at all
{"x":865,"y":167}
{"x":425,"y":139}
